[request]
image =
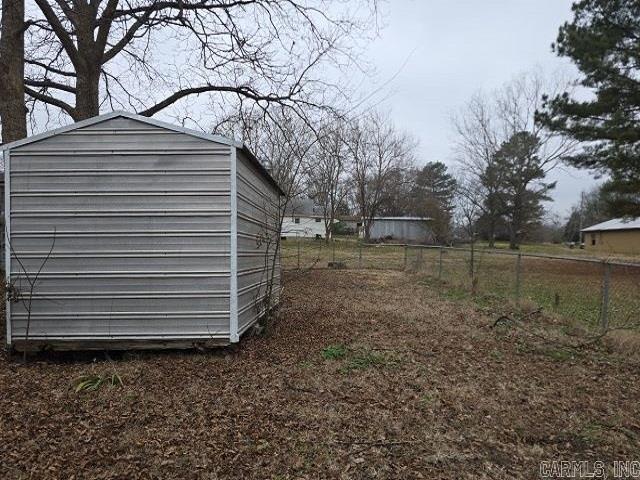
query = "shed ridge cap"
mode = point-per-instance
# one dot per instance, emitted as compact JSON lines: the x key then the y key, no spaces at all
{"x":124,"y":114}
{"x":148,"y":121}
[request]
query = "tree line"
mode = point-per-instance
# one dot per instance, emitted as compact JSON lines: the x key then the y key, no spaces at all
{"x":258,"y":67}
{"x":361,"y":165}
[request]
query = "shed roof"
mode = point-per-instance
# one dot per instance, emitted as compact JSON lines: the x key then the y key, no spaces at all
{"x":149,"y":121}
{"x":615,"y":224}
{"x":424,"y":219}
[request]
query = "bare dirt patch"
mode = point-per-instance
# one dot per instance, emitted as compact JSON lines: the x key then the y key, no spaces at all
{"x":367,"y":374}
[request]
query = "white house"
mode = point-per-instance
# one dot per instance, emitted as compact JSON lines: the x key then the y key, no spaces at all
{"x":303,"y":219}
{"x":309,"y":226}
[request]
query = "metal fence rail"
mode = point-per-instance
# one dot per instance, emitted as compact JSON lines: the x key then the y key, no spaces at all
{"x":601,"y":294}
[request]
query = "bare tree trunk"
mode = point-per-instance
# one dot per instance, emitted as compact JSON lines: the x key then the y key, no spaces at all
{"x":514,"y":232}
{"x":88,"y":93}
{"x":513,"y":240}
{"x":367,"y":230}
{"x":88,"y":68}
{"x":492,"y":233}
{"x":13,"y":113}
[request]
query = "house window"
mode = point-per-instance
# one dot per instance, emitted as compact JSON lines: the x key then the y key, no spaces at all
{"x":297,"y":220}
{"x":359,"y":224}
{"x":318,"y":220}
{"x":593,"y":239}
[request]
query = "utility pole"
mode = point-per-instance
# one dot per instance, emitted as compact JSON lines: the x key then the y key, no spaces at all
{"x":581,"y":226}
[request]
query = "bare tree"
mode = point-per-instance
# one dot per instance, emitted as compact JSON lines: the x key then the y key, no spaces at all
{"x":467,"y":210}
{"x":16,"y":293}
{"x":327,"y":173}
{"x":488,"y":121}
{"x":147,"y":55}
{"x":377,"y":150}
{"x":283,"y":142}
{"x":280,"y":139}
{"x":12,"y":106}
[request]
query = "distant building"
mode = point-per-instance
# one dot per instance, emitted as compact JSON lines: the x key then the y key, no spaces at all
{"x":351,"y":224}
{"x":303,"y":219}
{"x":619,"y":235}
{"x":406,"y":229}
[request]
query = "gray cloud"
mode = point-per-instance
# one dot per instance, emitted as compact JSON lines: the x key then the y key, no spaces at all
{"x":456,"y":47}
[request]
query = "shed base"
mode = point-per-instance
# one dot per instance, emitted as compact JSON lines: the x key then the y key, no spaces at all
{"x":86,"y":345}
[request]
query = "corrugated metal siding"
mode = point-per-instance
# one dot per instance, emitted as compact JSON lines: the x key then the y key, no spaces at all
{"x":142,"y":221}
{"x":258,"y":211}
{"x":409,"y":230}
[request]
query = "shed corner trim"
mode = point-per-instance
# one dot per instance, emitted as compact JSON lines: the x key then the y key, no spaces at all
{"x":7,"y":240}
{"x":234,"y":335}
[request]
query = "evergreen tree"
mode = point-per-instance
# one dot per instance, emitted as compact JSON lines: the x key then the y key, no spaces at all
{"x":603,"y":40}
{"x":432,"y":196}
{"x":520,"y":173}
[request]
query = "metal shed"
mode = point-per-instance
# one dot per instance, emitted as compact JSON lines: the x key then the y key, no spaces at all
{"x":147,"y":235}
{"x":408,"y":229}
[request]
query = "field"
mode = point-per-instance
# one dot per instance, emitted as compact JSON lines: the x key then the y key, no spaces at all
{"x":364,"y":374}
{"x":568,"y":288}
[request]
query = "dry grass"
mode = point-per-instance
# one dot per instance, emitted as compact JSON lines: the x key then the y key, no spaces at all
{"x":367,"y":374}
{"x":571,"y":289}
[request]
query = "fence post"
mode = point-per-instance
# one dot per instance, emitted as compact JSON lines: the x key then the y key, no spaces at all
{"x":471,"y":268}
{"x":406,"y":253}
{"x":440,"y":264}
{"x":359,"y":254}
{"x":518,"y":275}
{"x":298,"y":238}
{"x":604,"y":309}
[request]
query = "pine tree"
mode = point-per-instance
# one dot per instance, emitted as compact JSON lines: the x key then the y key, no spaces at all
{"x":603,"y":40}
{"x":432,"y":196}
{"x":519,"y":171}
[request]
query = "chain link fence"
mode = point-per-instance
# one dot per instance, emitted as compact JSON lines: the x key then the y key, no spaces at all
{"x":600,"y":294}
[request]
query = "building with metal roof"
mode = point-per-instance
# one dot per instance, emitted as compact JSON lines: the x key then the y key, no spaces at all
{"x":619,"y":235}
{"x":139,"y":233}
{"x":406,"y":229}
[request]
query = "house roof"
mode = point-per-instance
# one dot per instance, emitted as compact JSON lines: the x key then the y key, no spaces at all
{"x":615,"y":224}
{"x":149,"y":121}
{"x":303,"y":207}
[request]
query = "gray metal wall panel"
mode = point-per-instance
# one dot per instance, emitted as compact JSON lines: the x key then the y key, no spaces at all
{"x":139,"y":181}
{"x":410,"y":230}
{"x":142,"y":221}
{"x":258,"y":204}
{"x":113,"y":201}
{"x":184,"y":240}
{"x":113,"y":221}
{"x":168,"y":160}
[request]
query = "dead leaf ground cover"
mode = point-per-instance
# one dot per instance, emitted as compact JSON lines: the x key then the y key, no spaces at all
{"x":366,"y":374}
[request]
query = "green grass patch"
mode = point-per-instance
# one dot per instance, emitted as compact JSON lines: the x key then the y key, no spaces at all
{"x":334,"y":352}
{"x":560,"y":354}
{"x":364,"y":360}
{"x":356,"y":359}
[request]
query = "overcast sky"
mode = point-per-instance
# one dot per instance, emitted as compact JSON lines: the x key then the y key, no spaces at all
{"x":458,"y":47}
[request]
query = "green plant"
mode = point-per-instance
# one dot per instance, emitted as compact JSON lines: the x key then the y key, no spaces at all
{"x":334,"y":352}
{"x":560,"y":354}
{"x":91,"y":383}
{"x":363,"y":360}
